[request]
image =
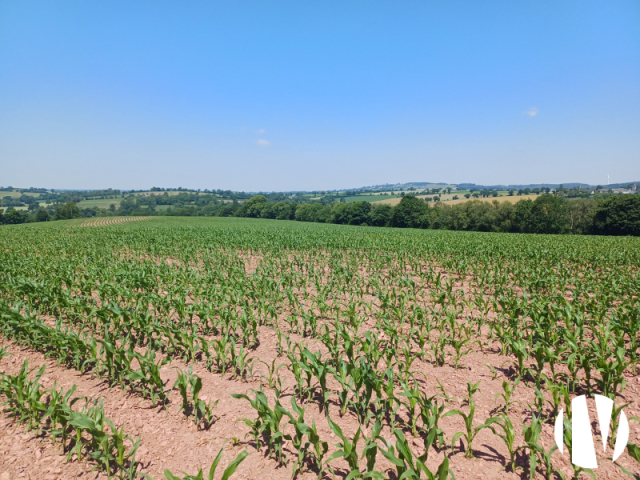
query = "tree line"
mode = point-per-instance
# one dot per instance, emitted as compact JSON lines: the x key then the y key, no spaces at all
{"x":615,"y":215}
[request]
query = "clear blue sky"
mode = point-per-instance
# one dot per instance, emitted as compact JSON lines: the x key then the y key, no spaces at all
{"x":276,"y":95}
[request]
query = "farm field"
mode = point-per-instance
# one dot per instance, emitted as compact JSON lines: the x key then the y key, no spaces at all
{"x":170,"y":192}
{"x":448,"y":198}
{"x":374,"y":197}
{"x":107,"y":221}
{"x":14,"y":194}
{"x":144,"y":346}
{"x":501,"y":198}
{"x":100,"y":202}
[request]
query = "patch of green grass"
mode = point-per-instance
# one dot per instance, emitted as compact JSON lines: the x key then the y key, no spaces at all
{"x":15,"y":194}
{"x":100,"y":203}
{"x":370,"y":198}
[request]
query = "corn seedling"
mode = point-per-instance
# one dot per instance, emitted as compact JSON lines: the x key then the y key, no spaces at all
{"x":228,"y":472}
{"x":408,"y":465}
{"x":471,"y":431}
{"x":507,"y":391}
{"x":508,"y":437}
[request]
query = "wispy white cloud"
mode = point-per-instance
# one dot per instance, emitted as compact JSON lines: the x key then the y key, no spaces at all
{"x":262,"y":131}
{"x":263,"y":143}
{"x":532,"y":112}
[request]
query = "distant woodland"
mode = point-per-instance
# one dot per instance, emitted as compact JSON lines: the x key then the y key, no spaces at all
{"x":560,"y":212}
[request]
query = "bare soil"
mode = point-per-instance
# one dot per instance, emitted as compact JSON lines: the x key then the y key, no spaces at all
{"x":171,"y":442}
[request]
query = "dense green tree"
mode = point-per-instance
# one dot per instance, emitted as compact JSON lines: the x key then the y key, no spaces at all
{"x":340,"y":213}
{"x":285,"y":211}
{"x":360,"y":213}
{"x":549,"y":215}
{"x":279,"y":211}
{"x":619,"y":215}
{"x":411,"y":212}
{"x":313,"y":212}
{"x":581,"y":213}
{"x":67,"y":211}
{"x":13,"y":217}
{"x":522,"y":217}
{"x":253,"y":207}
{"x":41,"y":215}
{"x":229,"y":209}
{"x":127,"y":205}
{"x":381,"y":215}
{"x":28,"y":199}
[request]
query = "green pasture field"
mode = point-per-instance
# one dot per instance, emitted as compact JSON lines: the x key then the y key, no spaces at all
{"x":15,"y":194}
{"x":23,"y":207}
{"x":100,"y":202}
{"x":375,"y":197}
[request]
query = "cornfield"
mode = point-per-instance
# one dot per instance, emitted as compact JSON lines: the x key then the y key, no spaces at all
{"x":285,"y":349}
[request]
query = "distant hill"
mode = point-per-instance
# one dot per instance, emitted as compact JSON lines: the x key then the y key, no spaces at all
{"x":468,"y":186}
{"x":398,"y":187}
{"x":474,"y":186}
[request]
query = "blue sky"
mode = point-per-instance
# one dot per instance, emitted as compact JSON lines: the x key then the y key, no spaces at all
{"x":311,"y":95}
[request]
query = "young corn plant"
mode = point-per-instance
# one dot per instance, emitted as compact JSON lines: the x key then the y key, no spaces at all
{"x":267,"y":425}
{"x":492,"y":369}
{"x":408,"y":465}
{"x":301,"y":429}
{"x":430,"y":414}
{"x":615,"y":419}
{"x":106,"y":449}
{"x":57,"y":418}
{"x":508,"y":437}
{"x":559,"y":394}
{"x":611,"y":381}
{"x":228,"y":472}
{"x":182,"y":383}
{"x":24,"y":396}
{"x":272,"y":372}
{"x":507,"y":391}
{"x":58,"y":412}
{"x":186,"y":383}
{"x":370,"y":451}
{"x":471,"y":431}
{"x":461,"y":346}
{"x":412,"y":394}
{"x":320,"y":449}
{"x":203,"y":411}
{"x":341,"y":375}
{"x":313,"y":450}
{"x":537,"y":453}
{"x":220,"y":360}
{"x":347,"y":450}
{"x":320,"y":369}
{"x":240,"y":362}
{"x":4,"y":353}
{"x":147,"y":379}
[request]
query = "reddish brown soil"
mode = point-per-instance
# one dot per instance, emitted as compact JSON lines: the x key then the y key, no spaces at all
{"x":171,"y":442}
